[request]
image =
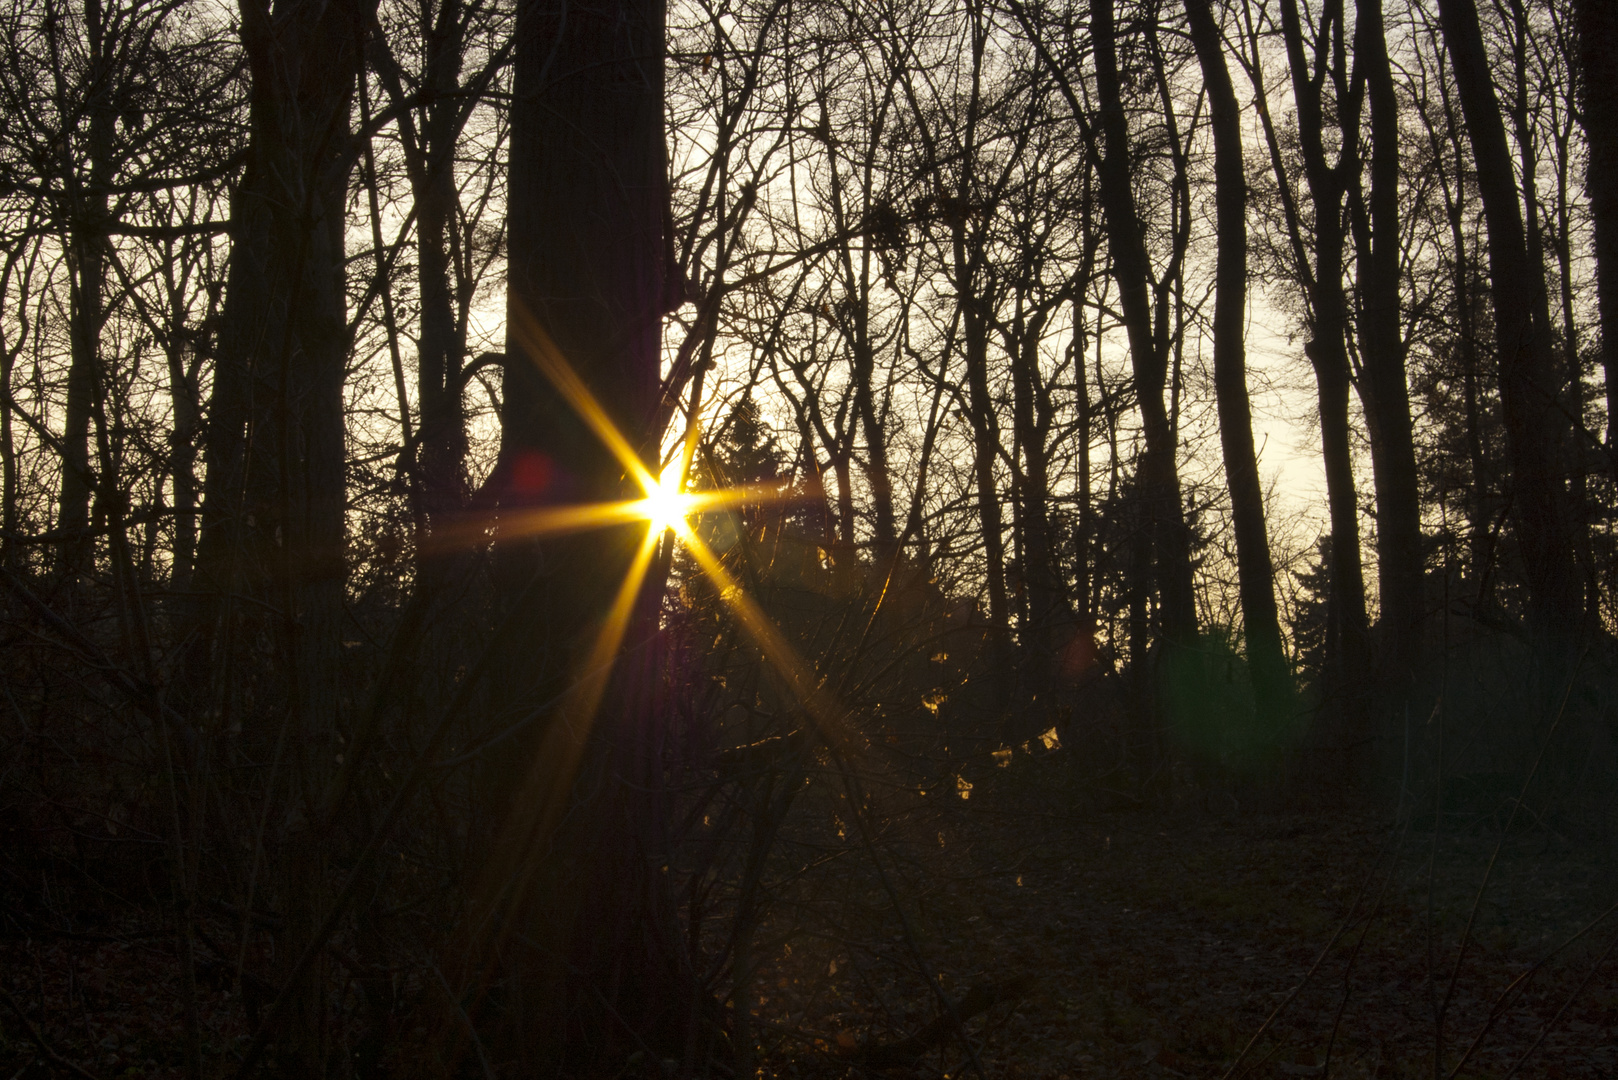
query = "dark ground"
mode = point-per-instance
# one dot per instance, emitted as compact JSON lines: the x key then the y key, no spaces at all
{"x":1157,"y":942}
{"x":1161,"y":942}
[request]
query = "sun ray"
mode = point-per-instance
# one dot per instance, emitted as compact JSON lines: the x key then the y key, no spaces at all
{"x":829,"y":719}
{"x":556,"y":762}
{"x":663,"y":506}
{"x":579,"y":707}
{"x":548,"y":358}
{"x":666,"y":506}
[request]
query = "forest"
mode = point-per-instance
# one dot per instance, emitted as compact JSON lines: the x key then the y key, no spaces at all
{"x":808,"y":538}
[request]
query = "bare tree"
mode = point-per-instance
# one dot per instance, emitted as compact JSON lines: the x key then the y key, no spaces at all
{"x":1529,"y":390}
{"x":586,"y":295}
{"x":1598,"y":57}
{"x":1260,"y":625}
{"x":1383,"y":386}
{"x":1318,"y":266}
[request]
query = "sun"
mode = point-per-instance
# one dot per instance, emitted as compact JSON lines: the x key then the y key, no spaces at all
{"x":665,"y":505}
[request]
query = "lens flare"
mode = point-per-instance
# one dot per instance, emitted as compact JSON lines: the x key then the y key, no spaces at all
{"x":666,"y":506}
{"x":666,"y":509}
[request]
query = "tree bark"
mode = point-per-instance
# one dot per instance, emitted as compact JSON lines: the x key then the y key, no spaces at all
{"x":571,"y":902}
{"x":1598,"y":56}
{"x":1148,"y":355}
{"x":1261,"y":626}
{"x":1327,"y":349}
{"x":1383,"y":386}
{"x":274,"y":491}
{"x":1528,"y":384}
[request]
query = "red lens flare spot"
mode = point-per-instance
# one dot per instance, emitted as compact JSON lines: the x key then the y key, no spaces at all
{"x":1079,"y":655}
{"x":531,"y":472}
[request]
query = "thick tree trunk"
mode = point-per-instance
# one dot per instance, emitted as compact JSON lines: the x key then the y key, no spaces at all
{"x":1529,"y":388}
{"x":1383,"y":387}
{"x":274,"y":493}
{"x":572,"y":902}
{"x":1261,"y":626}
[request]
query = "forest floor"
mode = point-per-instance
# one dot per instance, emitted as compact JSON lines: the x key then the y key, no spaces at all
{"x":1161,"y":944}
{"x":1152,"y":943}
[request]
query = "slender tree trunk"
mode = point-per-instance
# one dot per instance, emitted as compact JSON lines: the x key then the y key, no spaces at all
{"x":1086,"y":522}
{"x":442,"y":347}
{"x":1598,"y":55}
{"x":183,"y":454}
{"x":967,"y":250}
{"x":847,"y":556}
{"x":8,"y":464}
{"x":1327,"y":350}
{"x":1048,"y":610}
{"x":1462,"y":279}
{"x":1383,"y":386}
{"x":877,"y":471}
{"x":985,"y":450}
{"x":855,"y":324}
{"x":1528,"y":385}
{"x":1261,"y":626}
{"x":87,"y":281}
{"x":1149,"y":356}
{"x":1573,"y":371}
{"x":817,"y":507}
{"x":1479,"y":547}
{"x":83,"y":383}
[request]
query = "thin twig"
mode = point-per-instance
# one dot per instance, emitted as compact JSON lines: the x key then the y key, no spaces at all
{"x":1500,"y":1002}
{"x":1348,"y":971}
{"x":39,"y":1040}
{"x":1477,"y":901}
{"x":1571,"y":998}
{"x":477,"y":1043}
{"x":1348,"y":921}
